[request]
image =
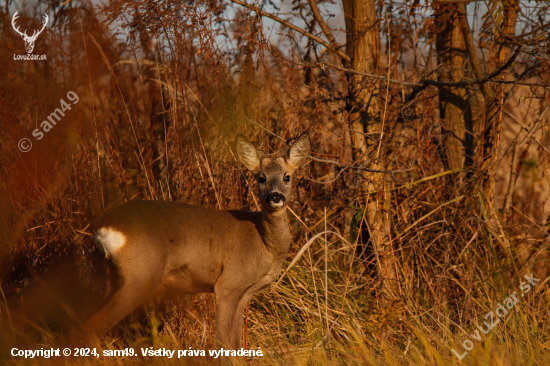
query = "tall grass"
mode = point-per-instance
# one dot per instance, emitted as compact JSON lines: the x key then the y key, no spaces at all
{"x":156,"y":120}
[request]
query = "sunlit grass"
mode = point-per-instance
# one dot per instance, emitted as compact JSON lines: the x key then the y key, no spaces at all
{"x":366,"y":325}
{"x":151,"y":125}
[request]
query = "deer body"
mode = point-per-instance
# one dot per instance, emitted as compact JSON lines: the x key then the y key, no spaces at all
{"x":159,"y":246}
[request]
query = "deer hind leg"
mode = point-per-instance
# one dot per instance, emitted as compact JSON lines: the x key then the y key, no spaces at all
{"x":131,"y":293}
{"x":134,"y":278}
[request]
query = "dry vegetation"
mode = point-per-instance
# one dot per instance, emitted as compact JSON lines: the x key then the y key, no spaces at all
{"x":412,"y":259}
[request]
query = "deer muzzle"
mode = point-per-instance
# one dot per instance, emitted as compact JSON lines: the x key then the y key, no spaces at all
{"x":276,"y":199}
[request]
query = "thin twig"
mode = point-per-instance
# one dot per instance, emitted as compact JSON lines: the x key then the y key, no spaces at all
{"x":293,"y":27}
{"x":326,"y":277}
{"x":470,"y":46}
{"x":356,"y":167}
{"x":513,"y":171}
{"x":426,"y":82}
{"x":526,"y":129}
{"x":324,"y":27}
{"x":456,"y":1}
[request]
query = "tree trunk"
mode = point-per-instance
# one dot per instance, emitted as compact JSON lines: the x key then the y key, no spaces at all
{"x":455,"y":113}
{"x":493,"y":118}
{"x":508,"y":25}
{"x":363,"y":48}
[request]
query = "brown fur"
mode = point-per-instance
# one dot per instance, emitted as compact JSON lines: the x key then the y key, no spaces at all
{"x":172,"y":246}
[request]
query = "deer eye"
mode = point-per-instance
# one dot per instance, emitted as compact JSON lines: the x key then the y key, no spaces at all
{"x":287,"y":178}
{"x":261,"y":180}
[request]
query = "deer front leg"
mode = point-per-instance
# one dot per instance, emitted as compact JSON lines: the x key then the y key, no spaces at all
{"x":228,"y":333}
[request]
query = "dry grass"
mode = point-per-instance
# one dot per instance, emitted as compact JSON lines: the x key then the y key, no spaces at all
{"x":157,"y":121}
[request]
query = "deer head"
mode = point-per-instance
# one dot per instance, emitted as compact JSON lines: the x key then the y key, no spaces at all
{"x":274,"y":175}
{"x":29,"y":41}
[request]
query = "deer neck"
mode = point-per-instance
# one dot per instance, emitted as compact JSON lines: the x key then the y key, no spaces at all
{"x":275,"y":231}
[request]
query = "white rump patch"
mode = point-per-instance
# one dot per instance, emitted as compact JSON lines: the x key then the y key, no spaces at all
{"x":109,"y":240}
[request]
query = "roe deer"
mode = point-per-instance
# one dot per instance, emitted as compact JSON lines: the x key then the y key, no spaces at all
{"x":171,"y":246}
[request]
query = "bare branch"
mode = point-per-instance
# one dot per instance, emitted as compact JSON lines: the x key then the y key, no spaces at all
{"x":340,"y":165}
{"x":527,"y":129}
{"x":358,"y":167}
{"x":426,"y":82}
{"x":470,"y":46}
{"x":422,"y":83}
{"x":324,"y":26}
{"x":293,"y":27}
{"x":506,"y":35}
{"x":456,"y":1}
{"x":514,"y":161}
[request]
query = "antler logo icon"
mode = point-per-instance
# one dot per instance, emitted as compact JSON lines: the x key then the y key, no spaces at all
{"x":29,"y":41}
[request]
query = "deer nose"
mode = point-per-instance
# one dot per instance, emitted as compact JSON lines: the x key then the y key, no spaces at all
{"x":275,"y":197}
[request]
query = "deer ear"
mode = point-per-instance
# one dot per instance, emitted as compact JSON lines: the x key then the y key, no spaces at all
{"x":298,"y":152}
{"x":247,"y":154}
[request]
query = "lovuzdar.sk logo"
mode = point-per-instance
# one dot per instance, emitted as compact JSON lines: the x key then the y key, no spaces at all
{"x":29,"y":40}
